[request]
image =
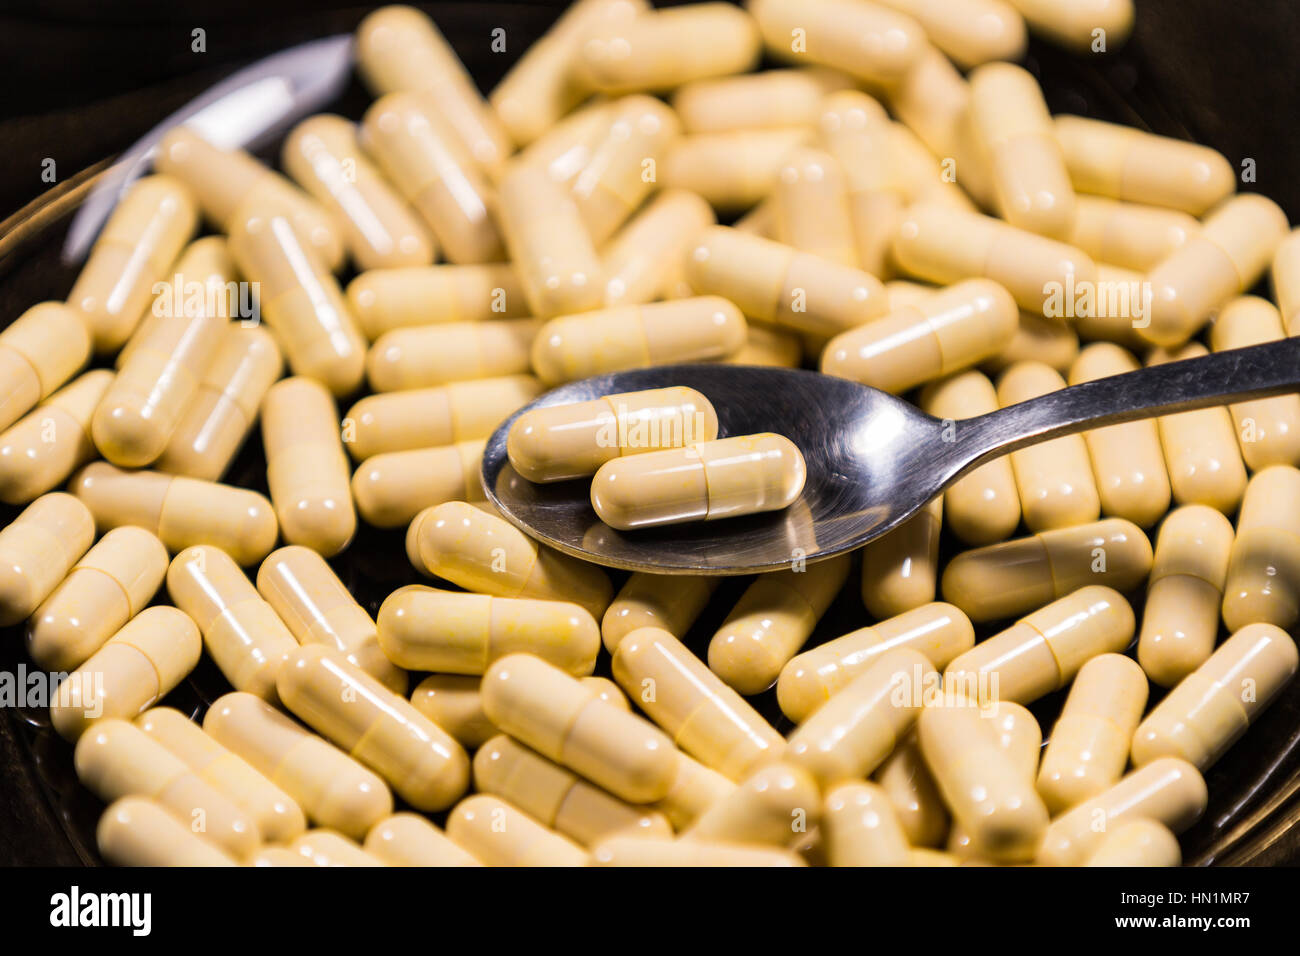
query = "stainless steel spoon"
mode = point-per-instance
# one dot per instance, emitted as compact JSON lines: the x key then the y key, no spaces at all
{"x":873,"y":459}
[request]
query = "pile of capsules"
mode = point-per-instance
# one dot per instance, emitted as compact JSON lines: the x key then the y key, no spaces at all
{"x":577,"y":216}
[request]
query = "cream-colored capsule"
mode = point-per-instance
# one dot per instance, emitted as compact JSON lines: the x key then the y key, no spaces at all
{"x":913,"y":794}
{"x":1129,"y":235}
{"x":400,"y":48}
{"x":774,"y":806}
{"x":811,"y":207}
{"x":137,"y":832}
{"x":1212,"y":706}
{"x":1054,"y":478}
{"x":1181,"y":621}
{"x":279,"y":856}
{"x":771,"y":98}
{"x":242,"y":632}
{"x":971,"y":31}
{"x":1236,"y":245}
{"x":705,"y":481}
{"x":379,"y":229}
{"x":1011,"y":124}
{"x":1122,"y":304}
{"x":483,"y":553}
{"x":326,"y":848}
{"x":695,"y":788}
{"x":450,"y":632}
{"x":1077,"y":25}
{"x":1285,"y":275}
{"x":606,"y":690}
{"x":668,"y":601}
{"x":861,"y":828}
{"x":1138,"y":842}
{"x":638,"y":851}
{"x":866,"y":40}
{"x":852,"y":733}
{"x":776,"y":283}
{"x":306,"y":469}
{"x":1017,"y":734}
{"x":433,"y":417}
{"x":1168,"y":790}
{"x":990,"y":799}
{"x":900,"y":570}
{"x":141,"y":239}
{"x":386,"y":299}
{"x":318,"y":609}
{"x":39,"y":351}
{"x":943,"y":244}
{"x":1015,"y":577}
{"x":333,"y":789}
{"x":559,"y":442}
{"x":277,"y":815}
{"x":372,"y":724}
{"x":699,"y":329}
{"x":136,"y":667}
{"x":453,"y":702}
{"x":408,"y":839}
{"x":1089,"y":746}
{"x":38,"y":549}
{"x":1038,"y":339}
{"x":1128,"y":463}
{"x":704,"y":716}
{"x":1202,"y":455}
{"x":983,"y":506}
{"x":768,"y":345}
{"x":180,"y":511}
{"x":733,"y":170}
{"x":1043,"y":651}
{"x":1268,"y":430}
{"x":500,"y":834}
{"x":644,"y":257}
{"x":111,"y":584}
{"x":392,"y":488}
{"x":116,"y":759}
{"x":564,"y":149}
{"x":39,"y":451}
{"x":224,"y":180}
{"x":1263,"y":582}
{"x":432,"y":355}
{"x":222,"y":412}
{"x":772,"y":621}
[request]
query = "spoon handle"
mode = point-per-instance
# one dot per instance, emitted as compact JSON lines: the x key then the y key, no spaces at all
{"x":1236,"y":375}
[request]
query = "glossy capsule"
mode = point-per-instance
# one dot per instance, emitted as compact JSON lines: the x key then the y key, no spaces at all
{"x":408,"y":839}
{"x":548,"y":710}
{"x":1263,"y":581}
{"x":326,"y":848}
{"x":333,"y":789}
{"x":1285,"y":275}
{"x":771,"y":98}
{"x":439,"y":354}
{"x":134,"y":831}
{"x":486,"y":554}
{"x":641,"y":260}
{"x":39,"y":351}
{"x":733,"y":170}
{"x":37,"y":550}
{"x":386,"y":299}
{"x":1268,"y":429}
{"x":391,"y":489}
{"x":453,"y":702}
{"x":700,"y":329}
{"x":868,"y":41}
{"x":972,"y":32}
{"x":136,"y":667}
{"x":1054,"y":478}
{"x":1236,"y":245}
{"x":1039,"y":339}
{"x":775,"y":805}
{"x":318,"y":609}
{"x":1016,"y":577}
{"x":635,"y":851}
{"x":1017,"y":734}
{"x":306,"y":468}
{"x":1123,"y":303}
{"x":772,"y":621}
{"x":219,"y":417}
{"x":47,"y":444}
{"x":501,"y":834}
{"x":900,"y":569}
{"x":433,"y":417}
{"x":768,"y":345}
{"x":1128,"y":234}
{"x":668,"y":601}
{"x":704,"y":716}
{"x":744,"y":475}
{"x":811,"y":207}
{"x":861,"y":828}
{"x":564,"y":149}
{"x":695,"y":788}
{"x":109,"y":585}
{"x":913,"y":794}
{"x":1138,"y":842}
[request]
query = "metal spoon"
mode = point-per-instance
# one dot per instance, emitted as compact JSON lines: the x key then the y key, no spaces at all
{"x":873,"y":459}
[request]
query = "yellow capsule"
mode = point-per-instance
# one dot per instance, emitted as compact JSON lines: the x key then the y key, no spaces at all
{"x":39,"y":451}
{"x":1043,"y":651}
{"x":333,"y":789}
{"x":942,"y":244}
{"x":279,"y":856}
{"x":1038,"y":339}
{"x":695,"y":788}
{"x":1054,"y":478}
{"x":453,"y":702}
{"x":606,"y":690}
{"x":38,"y":549}
{"x":116,"y":759}
{"x":1201,"y":451}
{"x":900,"y":570}
{"x":277,"y":815}
{"x":1089,"y":746}
{"x":180,"y":511}
{"x":386,"y":299}
{"x":913,"y":795}
{"x":774,"y":806}
{"x":326,"y":848}
{"x":1138,"y":842}
{"x":811,"y":207}
{"x":768,"y":345}
{"x":221,"y":414}
{"x":1122,"y":304}
{"x":704,"y":716}
{"x":392,"y":488}
{"x":772,"y":621}
{"x":1236,"y":245}
{"x":1181,"y":621}
{"x":39,"y":351}
{"x":500,"y":834}
{"x":1015,"y":577}
{"x":699,"y":329}
{"x":432,"y":355}
{"x":408,"y":839}
{"x":1018,"y":736}
{"x":483,"y":553}
{"x":565,"y":148}
{"x":1129,"y":235}
{"x":771,"y":98}
{"x":667,"y":601}
{"x":867,"y":41}
{"x":861,"y":828}
{"x":1167,"y":790}
{"x":433,"y":417}
{"x":732,"y":170}
{"x":134,"y":831}
{"x":705,"y":481}
{"x":551,"y":712}
{"x":111,"y":584}
{"x":136,"y":667}
{"x":939,"y":631}
{"x":1285,"y":271}
{"x":643,"y":257}
{"x":972,"y":32}
{"x":1268,"y":430}
{"x":636,"y":851}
